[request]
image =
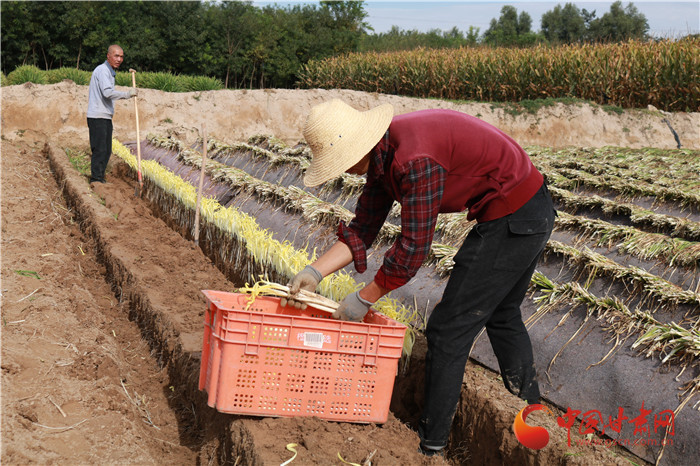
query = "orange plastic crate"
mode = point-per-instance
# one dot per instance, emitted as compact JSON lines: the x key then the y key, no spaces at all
{"x":276,"y":361}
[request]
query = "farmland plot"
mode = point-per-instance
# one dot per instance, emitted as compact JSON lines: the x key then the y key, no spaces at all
{"x":69,"y":354}
{"x":86,"y":271}
{"x":614,"y":307}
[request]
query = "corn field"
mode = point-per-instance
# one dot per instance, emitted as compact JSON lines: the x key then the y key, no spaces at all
{"x":630,"y":74}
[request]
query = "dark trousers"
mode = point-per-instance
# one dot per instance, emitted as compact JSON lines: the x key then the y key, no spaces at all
{"x":101,"y":147}
{"x":491,"y":275}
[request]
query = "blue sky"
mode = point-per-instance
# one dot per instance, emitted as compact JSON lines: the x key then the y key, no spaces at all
{"x":666,"y":18}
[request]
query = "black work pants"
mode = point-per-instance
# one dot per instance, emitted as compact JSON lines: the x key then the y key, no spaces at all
{"x":489,"y":281}
{"x":101,"y":147}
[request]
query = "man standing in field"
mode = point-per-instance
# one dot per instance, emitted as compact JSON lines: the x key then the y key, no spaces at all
{"x":101,"y":109}
{"x":431,"y":162}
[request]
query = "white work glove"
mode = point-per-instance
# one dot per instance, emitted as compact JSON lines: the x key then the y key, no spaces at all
{"x":133,"y":92}
{"x":353,"y":308}
{"x":308,"y":280}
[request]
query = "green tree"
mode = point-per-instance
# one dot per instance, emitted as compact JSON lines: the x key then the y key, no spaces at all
{"x":397,"y":39}
{"x":619,"y":24}
{"x":346,"y":23}
{"x":524,"y":24}
{"x":81,"y":36}
{"x":472,"y":37}
{"x":588,"y":17}
{"x":139,"y":28}
{"x":292,"y":36}
{"x":564,"y":24}
{"x":15,"y":22}
{"x":231,"y":31}
{"x":510,"y":29}
{"x":182,"y":27}
{"x":27,"y":35}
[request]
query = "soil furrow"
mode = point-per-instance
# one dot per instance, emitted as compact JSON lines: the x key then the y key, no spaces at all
{"x":78,"y":383}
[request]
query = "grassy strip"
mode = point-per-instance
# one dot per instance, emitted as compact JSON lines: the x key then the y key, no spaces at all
{"x":674,"y":342}
{"x":652,"y":285}
{"x":79,"y":160}
{"x":646,"y":246}
{"x":674,"y":226}
{"x":664,"y":167}
{"x":571,"y":179}
{"x":164,"y":81}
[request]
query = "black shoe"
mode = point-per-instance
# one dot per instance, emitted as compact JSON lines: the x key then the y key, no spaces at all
{"x":431,"y":452}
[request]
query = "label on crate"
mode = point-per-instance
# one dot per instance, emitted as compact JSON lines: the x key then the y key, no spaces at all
{"x":314,"y":340}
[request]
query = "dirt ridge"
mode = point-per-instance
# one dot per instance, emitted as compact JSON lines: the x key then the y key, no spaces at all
{"x":155,"y":325}
{"x":59,"y":109}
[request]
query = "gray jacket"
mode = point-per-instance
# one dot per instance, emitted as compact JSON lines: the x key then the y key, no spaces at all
{"x":102,"y":93}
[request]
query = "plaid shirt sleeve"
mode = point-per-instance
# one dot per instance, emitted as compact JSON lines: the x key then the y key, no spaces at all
{"x":372,"y":208}
{"x":421,"y":186}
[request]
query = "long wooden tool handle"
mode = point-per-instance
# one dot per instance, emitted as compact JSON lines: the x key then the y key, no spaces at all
{"x":138,"y":135}
{"x":201,"y":184}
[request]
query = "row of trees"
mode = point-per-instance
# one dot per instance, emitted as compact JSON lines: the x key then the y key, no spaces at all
{"x":241,"y":44}
{"x":568,"y":24}
{"x":565,"y":24}
{"x":247,"y":46}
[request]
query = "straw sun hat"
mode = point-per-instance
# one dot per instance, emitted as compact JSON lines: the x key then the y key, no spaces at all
{"x":339,"y":136}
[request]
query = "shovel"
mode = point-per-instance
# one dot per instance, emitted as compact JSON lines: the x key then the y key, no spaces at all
{"x":139,"y":188}
{"x":201,"y":184}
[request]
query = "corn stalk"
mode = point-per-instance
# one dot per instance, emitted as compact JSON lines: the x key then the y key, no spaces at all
{"x":629,"y":74}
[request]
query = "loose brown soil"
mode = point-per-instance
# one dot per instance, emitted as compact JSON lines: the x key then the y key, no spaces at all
{"x":79,"y":383}
{"x":102,"y":310}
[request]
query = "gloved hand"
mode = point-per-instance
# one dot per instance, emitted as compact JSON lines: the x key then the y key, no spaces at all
{"x":353,"y":308}
{"x":308,"y":280}
{"x":133,"y":92}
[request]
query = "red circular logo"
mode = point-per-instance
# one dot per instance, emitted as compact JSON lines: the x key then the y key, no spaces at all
{"x":533,"y":437}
